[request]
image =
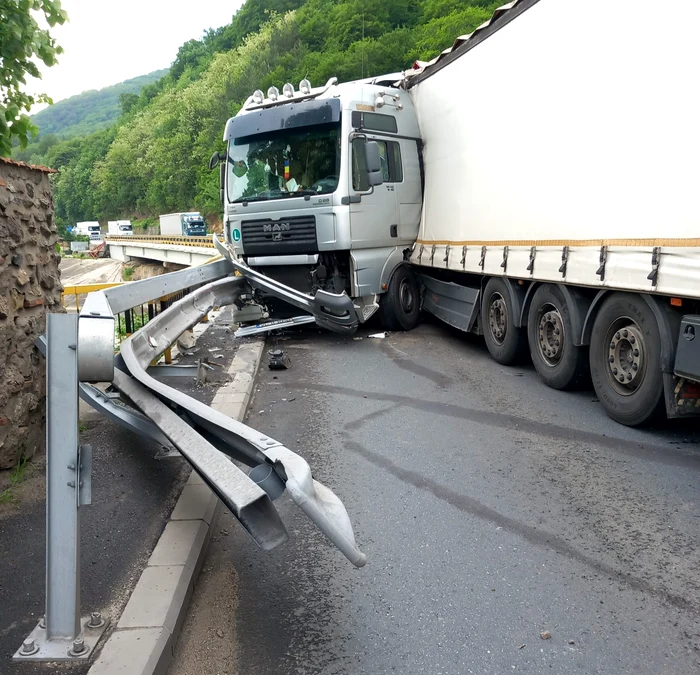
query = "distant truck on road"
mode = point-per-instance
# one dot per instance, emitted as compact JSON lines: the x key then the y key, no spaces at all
{"x":89,"y":228}
{"x":189,"y":224}
{"x":120,"y":227}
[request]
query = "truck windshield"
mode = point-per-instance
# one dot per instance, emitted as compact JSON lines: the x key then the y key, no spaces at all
{"x":194,"y":224}
{"x":287,"y":163}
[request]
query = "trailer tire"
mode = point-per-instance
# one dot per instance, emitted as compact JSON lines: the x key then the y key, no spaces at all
{"x":625,"y":358}
{"x":557,"y":360}
{"x":506,"y":342}
{"x":399,"y":307}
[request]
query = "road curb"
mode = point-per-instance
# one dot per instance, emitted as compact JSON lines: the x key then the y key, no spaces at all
{"x":145,"y":636}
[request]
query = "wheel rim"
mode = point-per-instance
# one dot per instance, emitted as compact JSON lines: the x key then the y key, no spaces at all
{"x":406,"y":296}
{"x":626,"y":356}
{"x":550,"y":335}
{"x":498,"y":318}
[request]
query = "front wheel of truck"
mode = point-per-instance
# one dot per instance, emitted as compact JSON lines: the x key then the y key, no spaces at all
{"x":399,"y":307}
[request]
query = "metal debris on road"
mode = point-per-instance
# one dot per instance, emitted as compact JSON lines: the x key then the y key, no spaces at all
{"x":379,"y":336}
{"x":277,"y":324}
{"x":278,"y":360}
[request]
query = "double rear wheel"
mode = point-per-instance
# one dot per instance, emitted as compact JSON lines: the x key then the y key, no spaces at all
{"x":625,"y":358}
{"x":558,"y":361}
{"x":506,"y":342}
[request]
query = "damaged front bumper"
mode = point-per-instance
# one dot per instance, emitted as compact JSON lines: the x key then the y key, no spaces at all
{"x":335,"y":312}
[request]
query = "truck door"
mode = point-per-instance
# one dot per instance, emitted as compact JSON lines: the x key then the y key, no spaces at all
{"x":408,"y":192}
{"x":374,"y":218}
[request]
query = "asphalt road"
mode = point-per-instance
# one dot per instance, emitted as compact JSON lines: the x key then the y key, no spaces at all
{"x":491,"y":509}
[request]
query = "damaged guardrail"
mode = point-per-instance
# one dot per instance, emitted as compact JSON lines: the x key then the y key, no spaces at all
{"x":80,"y":352}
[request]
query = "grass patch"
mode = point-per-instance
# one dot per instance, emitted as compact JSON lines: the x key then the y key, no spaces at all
{"x":82,"y":427}
{"x":127,"y":273}
{"x":19,"y":473}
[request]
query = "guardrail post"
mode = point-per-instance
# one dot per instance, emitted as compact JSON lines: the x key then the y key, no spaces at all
{"x":128,"y":323}
{"x":62,"y":514}
{"x":62,"y":635}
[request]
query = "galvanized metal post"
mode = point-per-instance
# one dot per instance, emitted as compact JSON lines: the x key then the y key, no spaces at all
{"x":62,"y":635}
{"x":62,"y":479}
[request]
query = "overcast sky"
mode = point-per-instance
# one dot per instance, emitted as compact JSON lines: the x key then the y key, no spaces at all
{"x":109,"y":41}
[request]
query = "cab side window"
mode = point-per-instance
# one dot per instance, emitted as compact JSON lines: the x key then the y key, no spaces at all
{"x":360,"y":182}
{"x":390,"y":155}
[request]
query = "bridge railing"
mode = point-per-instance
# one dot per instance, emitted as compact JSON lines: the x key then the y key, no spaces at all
{"x":171,"y":240}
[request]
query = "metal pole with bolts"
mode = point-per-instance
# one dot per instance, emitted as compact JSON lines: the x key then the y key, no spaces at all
{"x":61,"y":634}
{"x":62,"y":479}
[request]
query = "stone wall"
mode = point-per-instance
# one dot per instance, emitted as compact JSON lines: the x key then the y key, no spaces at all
{"x":29,"y":288}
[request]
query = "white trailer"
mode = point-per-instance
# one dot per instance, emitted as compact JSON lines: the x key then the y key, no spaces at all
{"x":560,"y":153}
{"x":548,"y":163}
{"x":189,"y":224}
{"x":121,"y":228}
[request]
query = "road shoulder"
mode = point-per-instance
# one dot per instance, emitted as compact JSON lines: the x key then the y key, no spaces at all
{"x":145,"y":636}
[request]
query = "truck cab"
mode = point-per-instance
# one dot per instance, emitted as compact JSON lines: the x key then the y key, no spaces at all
{"x":188,"y":224}
{"x":89,"y":228}
{"x":121,"y":228}
{"x":193,"y":224}
{"x":322,"y":187}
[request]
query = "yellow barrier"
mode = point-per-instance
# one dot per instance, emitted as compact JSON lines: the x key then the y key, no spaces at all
{"x":84,"y":289}
{"x":194,"y":242}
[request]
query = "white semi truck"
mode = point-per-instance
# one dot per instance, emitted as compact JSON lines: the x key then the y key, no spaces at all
{"x":190,"y":224}
{"x":121,"y":228}
{"x":536,"y":183}
{"x":89,"y":228}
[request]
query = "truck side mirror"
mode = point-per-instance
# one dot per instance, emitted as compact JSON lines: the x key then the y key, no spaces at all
{"x":214,"y":161}
{"x":374,"y":163}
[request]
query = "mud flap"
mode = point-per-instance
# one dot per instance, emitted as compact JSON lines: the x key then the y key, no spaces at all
{"x":682,"y":396}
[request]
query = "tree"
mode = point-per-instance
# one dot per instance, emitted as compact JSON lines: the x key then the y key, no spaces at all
{"x":21,"y":39}
{"x":127,"y":101}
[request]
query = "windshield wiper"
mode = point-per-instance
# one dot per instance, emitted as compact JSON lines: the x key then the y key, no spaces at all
{"x":299,"y":193}
{"x":252,"y":199}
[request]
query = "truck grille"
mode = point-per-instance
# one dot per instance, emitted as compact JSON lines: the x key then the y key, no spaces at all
{"x":279,"y":237}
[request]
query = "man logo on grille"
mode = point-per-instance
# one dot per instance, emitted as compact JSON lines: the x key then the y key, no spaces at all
{"x":276,"y":236}
{"x":276,"y":227}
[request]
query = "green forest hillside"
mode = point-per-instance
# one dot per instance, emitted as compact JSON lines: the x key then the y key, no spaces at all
{"x":90,"y":111}
{"x":154,"y":158}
